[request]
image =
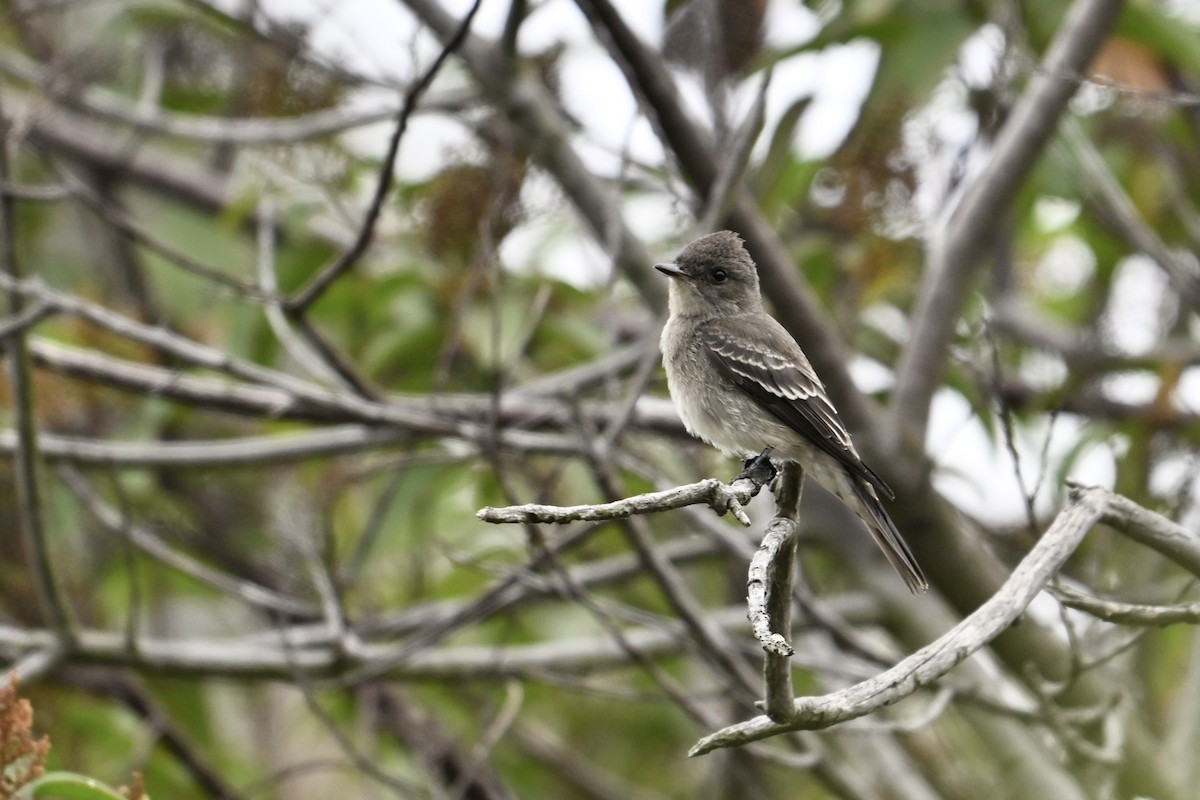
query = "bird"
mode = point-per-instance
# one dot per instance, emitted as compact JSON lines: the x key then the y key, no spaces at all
{"x":741,"y":383}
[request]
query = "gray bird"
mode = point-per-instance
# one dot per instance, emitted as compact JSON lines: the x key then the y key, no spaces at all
{"x":740,"y":382}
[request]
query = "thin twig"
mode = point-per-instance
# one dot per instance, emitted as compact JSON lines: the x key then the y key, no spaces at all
{"x":268,"y":284}
{"x":497,"y":729}
{"x":178,"y":346}
{"x":1155,"y":531}
{"x":241,"y":131}
{"x":35,"y":663}
{"x":1127,"y":613}
{"x":670,"y":687}
{"x":1007,"y":426}
{"x":297,"y":304}
{"x":713,"y":642}
{"x":368,"y":766}
{"x":112,"y":214}
{"x":37,"y":193}
{"x":51,"y":600}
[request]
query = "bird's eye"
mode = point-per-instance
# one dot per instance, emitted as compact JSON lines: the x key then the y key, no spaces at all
{"x":720,"y":276}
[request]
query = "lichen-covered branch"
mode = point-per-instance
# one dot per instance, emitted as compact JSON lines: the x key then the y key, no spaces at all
{"x":1084,"y":510}
{"x":719,"y":496}
{"x":771,"y":571}
{"x":769,"y":561}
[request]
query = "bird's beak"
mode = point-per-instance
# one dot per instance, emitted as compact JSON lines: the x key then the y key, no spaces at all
{"x":672,"y":271}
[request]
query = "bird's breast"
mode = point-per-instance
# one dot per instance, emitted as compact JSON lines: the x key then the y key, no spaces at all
{"x":709,"y":406}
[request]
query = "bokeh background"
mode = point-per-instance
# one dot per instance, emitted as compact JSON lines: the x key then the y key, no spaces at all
{"x":294,"y":288}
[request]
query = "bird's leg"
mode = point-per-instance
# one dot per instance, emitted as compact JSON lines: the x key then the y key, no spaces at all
{"x":759,"y":469}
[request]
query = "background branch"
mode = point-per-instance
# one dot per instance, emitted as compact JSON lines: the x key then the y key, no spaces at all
{"x":51,"y":600}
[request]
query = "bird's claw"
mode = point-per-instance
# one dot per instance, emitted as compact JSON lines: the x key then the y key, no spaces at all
{"x":758,"y":469}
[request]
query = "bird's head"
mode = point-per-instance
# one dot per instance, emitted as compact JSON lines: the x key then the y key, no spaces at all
{"x":713,"y":276}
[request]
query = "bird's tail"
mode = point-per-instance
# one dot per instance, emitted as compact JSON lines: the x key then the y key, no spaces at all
{"x":884,"y":532}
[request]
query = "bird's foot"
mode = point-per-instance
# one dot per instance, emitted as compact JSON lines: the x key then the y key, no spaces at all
{"x":759,"y":469}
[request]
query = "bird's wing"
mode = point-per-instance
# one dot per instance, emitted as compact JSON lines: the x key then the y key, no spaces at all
{"x":759,"y":355}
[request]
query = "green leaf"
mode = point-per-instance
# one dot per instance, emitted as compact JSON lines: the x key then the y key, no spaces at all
{"x":68,"y":786}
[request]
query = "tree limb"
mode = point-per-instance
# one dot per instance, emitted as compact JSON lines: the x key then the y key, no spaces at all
{"x":772,"y":568}
{"x":719,"y":496}
{"x":1083,"y":510}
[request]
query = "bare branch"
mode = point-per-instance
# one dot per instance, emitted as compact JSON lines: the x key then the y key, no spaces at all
{"x":155,"y":170}
{"x":776,"y":561}
{"x":266,"y":657}
{"x":575,"y":380}
{"x":51,"y":600}
{"x":1083,"y":510}
{"x":763,"y":578}
{"x":113,"y":215}
{"x":1154,"y":531}
{"x":719,"y":496}
{"x":460,"y":415}
{"x":1127,"y":613}
{"x":1095,"y":405}
{"x":1080,"y":348}
{"x":728,"y":182}
{"x":188,"y":350}
{"x":27,"y":318}
{"x":300,"y":350}
{"x":35,"y":663}
{"x":238,"y":452}
{"x":1109,"y":193}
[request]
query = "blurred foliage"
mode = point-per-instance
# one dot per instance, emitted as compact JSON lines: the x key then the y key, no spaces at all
{"x":464,"y":295}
